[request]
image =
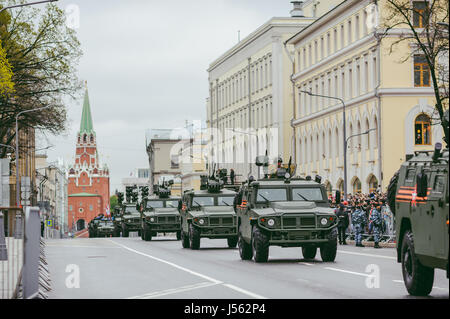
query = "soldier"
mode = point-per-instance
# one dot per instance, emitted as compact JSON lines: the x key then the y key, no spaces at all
{"x":343,"y":222}
{"x":359,"y":221}
{"x":232,"y":176}
{"x":376,"y":221}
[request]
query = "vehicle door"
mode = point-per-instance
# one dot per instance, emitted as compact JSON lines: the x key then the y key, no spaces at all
{"x":438,"y":213}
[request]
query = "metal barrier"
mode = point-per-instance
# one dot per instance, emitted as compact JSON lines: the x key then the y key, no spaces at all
{"x":12,"y":227}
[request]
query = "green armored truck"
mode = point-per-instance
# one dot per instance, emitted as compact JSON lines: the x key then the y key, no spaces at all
{"x":117,"y":222}
{"x":130,"y":219}
{"x":105,"y":228}
{"x":160,"y":213}
{"x":418,"y":195}
{"x":208,"y":213}
{"x":92,"y":227}
{"x":278,"y":210}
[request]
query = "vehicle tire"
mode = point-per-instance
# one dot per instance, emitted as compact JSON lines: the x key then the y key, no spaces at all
{"x":194,"y":237}
{"x":260,"y":245}
{"x":232,"y":242}
{"x":125,"y":231}
{"x":328,"y":251}
{"x":392,"y":191}
{"x":309,"y":252}
{"x":184,"y":240}
{"x":245,"y":250}
{"x":418,"y":278}
{"x":179,"y":235}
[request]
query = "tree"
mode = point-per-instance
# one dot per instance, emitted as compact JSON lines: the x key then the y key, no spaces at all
{"x":43,"y":53}
{"x":113,"y":202}
{"x":424,"y":25}
{"x":6,"y":85}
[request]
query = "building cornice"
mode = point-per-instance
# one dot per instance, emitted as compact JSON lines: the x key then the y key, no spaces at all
{"x":272,"y":23}
{"x":365,"y":98}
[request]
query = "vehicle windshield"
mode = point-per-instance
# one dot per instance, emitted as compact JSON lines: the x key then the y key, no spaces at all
{"x":172,"y":204}
{"x":130,"y":210}
{"x":225,"y":201}
{"x":155,"y":204}
{"x":202,"y":201}
{"x":107,"y":223}
{"x":271,"y":195}
{"x":307,"y":194}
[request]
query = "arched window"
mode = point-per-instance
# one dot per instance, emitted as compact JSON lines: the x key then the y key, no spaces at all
{"x":356,"y":186}
{"x":422,"y":130}
{"x":368,"y":135}
{"x":328,"y":188}
{"x":84,"y":138}
{"x":373,"y":184}
{"x":340,"y":186}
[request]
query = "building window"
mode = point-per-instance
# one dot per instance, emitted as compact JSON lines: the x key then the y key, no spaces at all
{"x":91,"y":208}
{"x":422,"y":129}
{"x":174,"y":161}
{"x":70,"y":207}
{"x":340,"y":186}
{"x":356,"y":186}
{"x":421,"y":71}
{"x":373,"y":184}
{"x":420,"y":13}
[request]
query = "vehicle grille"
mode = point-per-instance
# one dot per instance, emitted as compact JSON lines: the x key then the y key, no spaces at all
{"x":221,"y":221}
{"x":292,"y":222}
{"x":167,"y":219}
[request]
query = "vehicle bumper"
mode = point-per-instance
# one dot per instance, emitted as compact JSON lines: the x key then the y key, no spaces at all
{"x":218,"y":232}
{"x":299,"y":237}
{"x":164,"y":228}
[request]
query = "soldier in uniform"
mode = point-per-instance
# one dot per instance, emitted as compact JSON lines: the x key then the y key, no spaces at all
{"x":359,"y":221}
{"x":343,"y":222}
{"x":376,"y":221}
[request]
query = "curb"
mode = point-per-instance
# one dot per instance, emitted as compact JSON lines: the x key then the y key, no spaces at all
{"x":371,"y":244}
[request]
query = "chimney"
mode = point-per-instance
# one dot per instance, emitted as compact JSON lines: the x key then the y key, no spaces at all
{"x":297,"y":12}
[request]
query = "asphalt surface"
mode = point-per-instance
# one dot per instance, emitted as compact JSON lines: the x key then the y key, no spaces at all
{"x":131,"y":268}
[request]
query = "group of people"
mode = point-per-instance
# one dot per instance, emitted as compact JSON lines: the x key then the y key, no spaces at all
{"x":364,"y":211}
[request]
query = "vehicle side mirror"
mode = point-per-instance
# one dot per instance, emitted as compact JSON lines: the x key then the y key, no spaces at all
{"x":422,"y":185}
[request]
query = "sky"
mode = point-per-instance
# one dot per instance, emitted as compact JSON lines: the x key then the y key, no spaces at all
{"x":145,"y":64}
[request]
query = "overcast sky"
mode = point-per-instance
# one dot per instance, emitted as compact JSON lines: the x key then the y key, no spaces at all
{"x":145,"y":62}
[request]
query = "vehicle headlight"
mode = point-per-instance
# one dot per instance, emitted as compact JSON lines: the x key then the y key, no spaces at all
{"x":324,"y":221}
{"x":201,"y":221}
{"x":271,"y":222}
{"x":152,"y":219}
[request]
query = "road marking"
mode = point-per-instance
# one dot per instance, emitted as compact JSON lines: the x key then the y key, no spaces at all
{"x":245,"y":292}
{"x":215,"y":281}
{"x":170,"y":264}
{"x":174,"y":290}
{"x":434,"y":287}
{"x":368,"y":255}
{"x":347,"y":271}
{"x":307,"y":264}
{"x":79,"y":246}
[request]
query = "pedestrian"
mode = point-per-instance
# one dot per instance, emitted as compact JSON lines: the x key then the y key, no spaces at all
{"x":359,"y":221}
{"x":376,"y":224}
{"x":342,"y":217}
{"x":232,"y":176}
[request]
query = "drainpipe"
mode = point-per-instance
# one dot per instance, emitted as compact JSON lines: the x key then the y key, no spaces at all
{"x":249,"y":114}
{"x":294,"y":116}
{"x":378,"y":38}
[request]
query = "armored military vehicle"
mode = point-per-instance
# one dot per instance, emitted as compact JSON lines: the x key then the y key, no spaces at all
{"x":159,"y":213}
{"x":130,"y":219}
{"x":105,"y":228}
{"x":418,"y":195}
{"x":92,"y":228}
{"x":278,"y":210}
{"x":117,"y":222}
{"x":208,"y":213}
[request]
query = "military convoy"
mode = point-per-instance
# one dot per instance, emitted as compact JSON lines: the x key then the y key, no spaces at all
{"x":278,"y":210}
{"x":159,"y":213}
{"x":208,"y":213}
{"x":418,"y":195}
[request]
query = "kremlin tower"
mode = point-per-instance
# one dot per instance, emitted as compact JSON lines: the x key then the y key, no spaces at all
{"x":88,"y":183}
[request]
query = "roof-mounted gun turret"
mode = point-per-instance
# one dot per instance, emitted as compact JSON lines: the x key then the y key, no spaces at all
{"x":212,"y":183}
{"x":163,"y":190}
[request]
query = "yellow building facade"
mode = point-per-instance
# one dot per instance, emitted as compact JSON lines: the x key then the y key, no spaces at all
{"x":342,"y":55}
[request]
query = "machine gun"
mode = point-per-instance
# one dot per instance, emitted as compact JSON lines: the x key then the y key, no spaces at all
{"x":212,"y":183}
{"x":163,"y":190}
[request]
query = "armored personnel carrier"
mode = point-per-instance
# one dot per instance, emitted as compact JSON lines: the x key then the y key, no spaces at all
{"x":129,"y":213}
{"x":418,"y":195}
{"x":116,"y":218}
{"x":105,"y":228}
{"x":159,"y":213}
{"x":278,"y":210}
{"x":92,"y":228}
{"x":208,"y":213}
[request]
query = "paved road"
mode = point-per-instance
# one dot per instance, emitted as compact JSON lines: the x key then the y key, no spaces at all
{"x":132,"y":268}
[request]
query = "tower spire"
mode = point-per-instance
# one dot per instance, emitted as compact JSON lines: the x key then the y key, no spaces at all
{"x":86,"y":117}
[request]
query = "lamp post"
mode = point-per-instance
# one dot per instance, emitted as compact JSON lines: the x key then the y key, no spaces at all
{"x":345,"y":134}
{"x":26,"y":4}
{"x":17,"y":148}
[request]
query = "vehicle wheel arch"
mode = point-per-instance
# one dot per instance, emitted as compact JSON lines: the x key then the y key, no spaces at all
{"x":404,"y":227}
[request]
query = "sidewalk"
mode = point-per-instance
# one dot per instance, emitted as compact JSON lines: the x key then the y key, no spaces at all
{"x":11,"y":268}
{"x":371,"y":244}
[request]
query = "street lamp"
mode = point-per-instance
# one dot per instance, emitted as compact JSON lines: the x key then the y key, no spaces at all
{"x":345,"y":134}
{"x":26,"y":4}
